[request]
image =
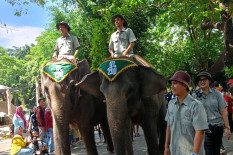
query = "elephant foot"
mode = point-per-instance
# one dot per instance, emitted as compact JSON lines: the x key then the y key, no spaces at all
{"x":110,"y":152}
{"x":110,"y":149}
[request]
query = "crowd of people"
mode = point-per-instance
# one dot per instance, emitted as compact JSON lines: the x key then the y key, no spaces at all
{"x":34,"y":134}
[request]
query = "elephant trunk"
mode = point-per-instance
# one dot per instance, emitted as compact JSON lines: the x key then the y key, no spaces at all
{"x":61,"y":115}
{"x":120,"y":125}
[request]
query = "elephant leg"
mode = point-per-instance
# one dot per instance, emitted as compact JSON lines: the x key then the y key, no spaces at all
{"x":107,"y":135}
{"x":150,"y":132}
{"x":128,"y":137}
{"x":87,"y":132}
{"x":162,"y":124}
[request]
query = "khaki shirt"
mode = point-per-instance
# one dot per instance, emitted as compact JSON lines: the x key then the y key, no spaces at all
{"x":184,"y":120}
{"x":120,"y":41}
{"x":66,"y":45}
{"x":213,"y":103}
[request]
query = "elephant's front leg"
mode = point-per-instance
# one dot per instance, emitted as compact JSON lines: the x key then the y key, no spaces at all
{"x":120,"y":127}
{"x":87,"y":132}
{"x":107,"y":135}
{"x":150,"y":131}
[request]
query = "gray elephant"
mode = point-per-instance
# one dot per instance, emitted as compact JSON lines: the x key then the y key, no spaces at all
{"x":70,"y":105}
{"x":134,"y":95}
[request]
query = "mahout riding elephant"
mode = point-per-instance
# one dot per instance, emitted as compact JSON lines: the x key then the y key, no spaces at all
{"x":69,"y":105}
{"x":134,"y":95}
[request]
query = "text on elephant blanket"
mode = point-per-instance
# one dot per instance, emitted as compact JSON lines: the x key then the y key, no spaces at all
{"x":112,"y":68}
{"x":59,"y":71}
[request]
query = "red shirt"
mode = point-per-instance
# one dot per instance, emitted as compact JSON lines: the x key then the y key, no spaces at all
{"x":40,"y":116}
{"x":229,"y":102}
{"x":48,"y":120}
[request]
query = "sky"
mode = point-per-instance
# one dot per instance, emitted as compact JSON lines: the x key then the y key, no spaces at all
{"x":21,"y":30}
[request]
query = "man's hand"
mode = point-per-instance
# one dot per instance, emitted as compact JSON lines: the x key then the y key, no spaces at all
{"x":73,"y":59}
{"x":54,"y":55}
{"x":27,"y":133}
{"x":111,"y":52}
{"x":112,"y":55}
{"x":167,"y":151}
{"x":228,"y":133}
{"x":123,"y":54}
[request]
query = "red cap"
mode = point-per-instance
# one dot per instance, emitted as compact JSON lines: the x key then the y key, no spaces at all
{"x":182,"y":77}
{"x":230,"y":81}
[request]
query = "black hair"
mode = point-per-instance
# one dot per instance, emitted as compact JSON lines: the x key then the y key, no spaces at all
{"x":216,"y":84}
{"x":40,"y":100}
{"x":224,"y":90}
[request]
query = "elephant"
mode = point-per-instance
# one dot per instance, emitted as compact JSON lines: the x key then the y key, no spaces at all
{"x":70,"y":105}
{"x":135,"y":96}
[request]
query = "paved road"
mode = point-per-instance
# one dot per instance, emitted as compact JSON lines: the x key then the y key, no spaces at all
{"x":139,"y":145}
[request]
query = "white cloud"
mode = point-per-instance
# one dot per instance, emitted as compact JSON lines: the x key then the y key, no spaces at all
{"x":18,"y":36}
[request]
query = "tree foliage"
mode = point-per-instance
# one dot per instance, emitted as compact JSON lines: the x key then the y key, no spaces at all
{"x":171,"y":34}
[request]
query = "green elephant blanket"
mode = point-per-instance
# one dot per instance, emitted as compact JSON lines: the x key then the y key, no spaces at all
{"x":113,"y":67}
{"x":58,"y":71}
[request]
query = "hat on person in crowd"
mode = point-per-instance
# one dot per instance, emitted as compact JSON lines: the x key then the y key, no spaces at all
{"x":119,"y":16}
{"x":63,"y":23}
{"x":182,"y":77}
{"x":206,"y":74}
{"x":230,"y":81}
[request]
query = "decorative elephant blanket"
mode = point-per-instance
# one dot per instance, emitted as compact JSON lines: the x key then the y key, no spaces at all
{"x":113,"y":67}
{"x":58,"y":71}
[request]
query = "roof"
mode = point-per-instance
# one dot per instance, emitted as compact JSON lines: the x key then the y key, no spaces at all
{"x":4,"y":88}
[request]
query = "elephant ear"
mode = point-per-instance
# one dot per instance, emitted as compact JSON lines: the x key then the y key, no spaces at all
{"x":152,"y":82}
{"x":91,"y":84}
{"x":84,"y":69}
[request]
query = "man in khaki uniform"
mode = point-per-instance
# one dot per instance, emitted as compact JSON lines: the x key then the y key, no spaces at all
{"x":186,"y":120}
{"x":122,"y":41}
{"x":66,"y":45}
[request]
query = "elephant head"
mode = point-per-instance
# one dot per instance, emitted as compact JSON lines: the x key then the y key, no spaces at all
{"x":57,"y":84}
{"x":130,"y":95}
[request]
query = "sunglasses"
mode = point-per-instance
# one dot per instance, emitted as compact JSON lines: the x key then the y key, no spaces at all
{"x":203,"y":80}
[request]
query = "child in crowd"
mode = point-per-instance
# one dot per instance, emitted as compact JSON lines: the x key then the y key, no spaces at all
{"x":39,"y":144}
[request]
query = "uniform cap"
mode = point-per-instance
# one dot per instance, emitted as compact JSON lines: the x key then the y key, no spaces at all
{"x":63,"y":23}
{"x":206,"y":74}
{"x":119,"y":16}
{"x":182,"y":77}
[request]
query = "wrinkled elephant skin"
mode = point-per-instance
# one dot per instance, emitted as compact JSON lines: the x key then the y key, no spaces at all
{"x":69,"y":105}
{"x":135,"y":96}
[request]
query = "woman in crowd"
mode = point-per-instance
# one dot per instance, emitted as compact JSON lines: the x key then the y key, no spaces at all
{"x":216,"y":110}
{"x":49,"y":129}
{"x":32,"y":120}
{"x":19,"y":144}
{"x":19,"y":120}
